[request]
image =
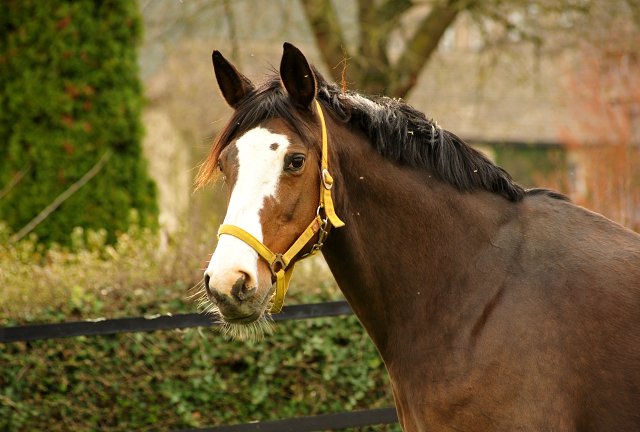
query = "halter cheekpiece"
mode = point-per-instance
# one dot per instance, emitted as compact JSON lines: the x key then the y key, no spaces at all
{"x":280,"y":264}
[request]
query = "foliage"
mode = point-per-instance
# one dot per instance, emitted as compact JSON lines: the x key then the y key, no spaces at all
{"x":166,"y":380}
{"x":180,"y":379}
{"x":69,"y":92}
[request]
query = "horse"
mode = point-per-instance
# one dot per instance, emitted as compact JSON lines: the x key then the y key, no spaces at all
{"x":494,"y":308}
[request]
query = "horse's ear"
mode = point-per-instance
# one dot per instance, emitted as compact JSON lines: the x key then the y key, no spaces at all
{"x":297,"y":77}
{"x":233,"y":85}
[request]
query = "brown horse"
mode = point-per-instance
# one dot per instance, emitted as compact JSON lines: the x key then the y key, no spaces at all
{"x":493,"y":307}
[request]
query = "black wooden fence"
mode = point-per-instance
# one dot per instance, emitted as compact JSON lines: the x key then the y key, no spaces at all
{"x":169,"y":322}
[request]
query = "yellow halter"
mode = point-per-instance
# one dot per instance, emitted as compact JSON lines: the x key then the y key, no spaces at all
{"x":283,"y":274}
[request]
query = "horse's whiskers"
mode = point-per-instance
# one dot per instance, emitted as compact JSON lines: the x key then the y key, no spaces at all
{"x":199,"y":291}
{"x":254,"y":331}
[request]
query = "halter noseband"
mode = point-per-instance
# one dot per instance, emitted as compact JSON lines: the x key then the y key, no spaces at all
{"x":317,"y":225}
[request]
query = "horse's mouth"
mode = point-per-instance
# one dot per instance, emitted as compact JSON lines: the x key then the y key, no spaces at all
{"x":248,"y":319}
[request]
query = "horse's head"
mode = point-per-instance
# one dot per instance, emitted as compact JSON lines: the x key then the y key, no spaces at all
{"x":269,"y":154}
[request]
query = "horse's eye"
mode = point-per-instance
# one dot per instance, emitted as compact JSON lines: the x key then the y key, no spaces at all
{"x":222,"y":174}
{"x":296,"y":163}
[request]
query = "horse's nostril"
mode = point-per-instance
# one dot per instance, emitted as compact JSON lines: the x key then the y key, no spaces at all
{"x":238,"y":288}
{"x":206,"y":281}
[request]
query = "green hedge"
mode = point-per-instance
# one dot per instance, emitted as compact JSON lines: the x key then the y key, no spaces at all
{"x":69,"y":92}
{"x":168,"y":380}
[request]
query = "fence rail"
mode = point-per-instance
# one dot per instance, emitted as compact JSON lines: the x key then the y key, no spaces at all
{"x":156,"y":322}
{"x":315,"y":423}
{"x":168,"y":322}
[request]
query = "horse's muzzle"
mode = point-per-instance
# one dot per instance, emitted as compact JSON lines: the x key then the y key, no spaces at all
{"x":236,"y":305}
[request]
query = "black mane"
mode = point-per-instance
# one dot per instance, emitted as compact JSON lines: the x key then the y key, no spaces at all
{"x":398,"y":131}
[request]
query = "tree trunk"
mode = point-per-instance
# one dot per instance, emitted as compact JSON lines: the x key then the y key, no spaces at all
{"x":369,"y":68}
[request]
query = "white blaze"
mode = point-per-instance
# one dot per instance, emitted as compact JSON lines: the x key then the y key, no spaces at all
{"x":259,"y":170}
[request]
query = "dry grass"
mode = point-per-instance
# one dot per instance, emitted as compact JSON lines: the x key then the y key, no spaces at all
{"x":140,"y":273}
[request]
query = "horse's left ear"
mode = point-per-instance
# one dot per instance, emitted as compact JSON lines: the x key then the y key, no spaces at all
{"x":233,"y":85}
{"x":297,"y":77}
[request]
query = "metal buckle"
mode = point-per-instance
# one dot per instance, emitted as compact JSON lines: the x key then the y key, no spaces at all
{"x":277,"y":260}
{"x":324,"y":181}
{"x":322,"y":234}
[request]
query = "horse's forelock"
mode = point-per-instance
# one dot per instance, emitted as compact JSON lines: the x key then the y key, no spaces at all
{"x":268,"y":101}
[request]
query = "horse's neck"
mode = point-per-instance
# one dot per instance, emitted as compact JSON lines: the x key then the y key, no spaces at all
{"x":408,"y":241}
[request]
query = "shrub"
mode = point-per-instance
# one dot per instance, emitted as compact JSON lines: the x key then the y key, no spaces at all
{"x":92,"y":278}
{"x":69,"y":93}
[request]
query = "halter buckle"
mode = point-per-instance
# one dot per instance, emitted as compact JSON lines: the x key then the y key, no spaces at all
{"x":277,"y":260}
{"x":327,"y":180}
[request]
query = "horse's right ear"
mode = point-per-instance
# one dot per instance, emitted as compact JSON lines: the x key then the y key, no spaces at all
{"x":233,"y":85}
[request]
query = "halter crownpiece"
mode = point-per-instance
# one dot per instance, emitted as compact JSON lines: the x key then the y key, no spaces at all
{"x":327,"y":181}
{"x":317,"y":226}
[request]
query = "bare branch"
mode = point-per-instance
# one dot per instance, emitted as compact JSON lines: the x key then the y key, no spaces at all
{"x":368,"y":22}
{"x":391,"y":10}
{"x":422,"y":45}
{"x":66,"y":194}
{"x":231,"y":19}
{"x":15,"y":180}
{"x":326,"y":28}
{"x":634,"y":5}
{"x":372,"y":63}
